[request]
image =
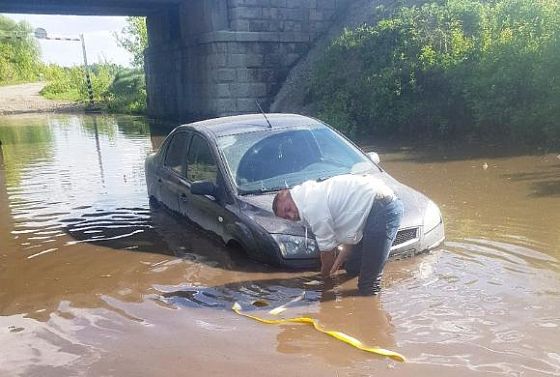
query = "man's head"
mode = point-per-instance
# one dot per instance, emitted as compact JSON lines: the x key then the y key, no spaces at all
{"x":284,"y":206}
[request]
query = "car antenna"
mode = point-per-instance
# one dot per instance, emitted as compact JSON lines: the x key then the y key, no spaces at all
{"x":264,"y":115}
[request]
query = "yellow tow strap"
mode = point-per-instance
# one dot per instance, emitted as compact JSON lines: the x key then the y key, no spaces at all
{"x":335,"y":334}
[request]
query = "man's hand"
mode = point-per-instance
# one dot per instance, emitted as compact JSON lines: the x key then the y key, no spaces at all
{"x":327,"y":261}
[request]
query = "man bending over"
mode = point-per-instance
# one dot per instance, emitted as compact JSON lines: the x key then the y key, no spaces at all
{"x":347,"y":210}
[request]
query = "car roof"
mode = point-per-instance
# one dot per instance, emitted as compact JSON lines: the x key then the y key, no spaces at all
{"x":250,"y":123}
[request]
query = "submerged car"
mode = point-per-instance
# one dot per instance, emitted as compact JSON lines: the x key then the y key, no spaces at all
{"x":222,"y":174}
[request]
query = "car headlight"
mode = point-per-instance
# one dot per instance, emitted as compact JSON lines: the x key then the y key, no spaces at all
{"x":432,"y":217}
{"x":294,"y":247}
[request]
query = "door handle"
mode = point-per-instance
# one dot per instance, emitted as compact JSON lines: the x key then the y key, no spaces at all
{"x":184,"y":197}
{"x":159,"y":180}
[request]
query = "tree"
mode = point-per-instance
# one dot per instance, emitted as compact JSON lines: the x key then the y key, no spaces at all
{"x":19,"y":52}
{"x":134,"y":39}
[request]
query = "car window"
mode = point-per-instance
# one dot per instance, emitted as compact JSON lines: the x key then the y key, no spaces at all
{"x":329,"y":144}
{"x":274,"y":159}
{"x":176,"y":153}
{"x":277,"y":155}
{"x":200,"y":162}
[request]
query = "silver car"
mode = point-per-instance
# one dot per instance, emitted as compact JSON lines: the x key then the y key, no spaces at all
{"x":222,"y":174}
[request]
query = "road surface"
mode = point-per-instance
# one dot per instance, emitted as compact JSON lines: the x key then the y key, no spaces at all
{"x":25,"y":98}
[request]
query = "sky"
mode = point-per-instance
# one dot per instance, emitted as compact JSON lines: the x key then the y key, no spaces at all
{"x":98,"y":34}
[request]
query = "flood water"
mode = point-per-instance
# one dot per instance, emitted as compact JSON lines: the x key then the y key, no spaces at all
{"x":96,"y":282}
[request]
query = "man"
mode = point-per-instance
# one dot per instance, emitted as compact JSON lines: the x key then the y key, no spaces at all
{"x":347,"y":210}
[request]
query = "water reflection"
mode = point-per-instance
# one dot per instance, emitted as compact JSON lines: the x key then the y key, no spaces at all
{"x":545,"y":182}
{"x":90,"y":270}
{"x":52,"y":183}
{"x":61,"y":182}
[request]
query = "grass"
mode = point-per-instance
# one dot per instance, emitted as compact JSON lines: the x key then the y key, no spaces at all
{"x":71,"y":94}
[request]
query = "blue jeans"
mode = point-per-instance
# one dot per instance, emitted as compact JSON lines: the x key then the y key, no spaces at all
{"x":368,"y":257}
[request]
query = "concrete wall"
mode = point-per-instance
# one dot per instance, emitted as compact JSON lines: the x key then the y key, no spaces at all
{"x":301,"y":16}
{"x":212,"y":58}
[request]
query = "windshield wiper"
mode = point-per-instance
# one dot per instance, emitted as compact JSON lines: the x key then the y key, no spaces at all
{"x":257,"y":191}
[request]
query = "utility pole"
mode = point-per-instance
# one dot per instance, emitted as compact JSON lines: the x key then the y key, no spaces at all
{"x":41,"y":33}
{"x":88,"y":78}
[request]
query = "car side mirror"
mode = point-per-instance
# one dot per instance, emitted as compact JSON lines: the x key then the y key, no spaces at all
{"x":203,"y":188}
{"x":374,"y":157}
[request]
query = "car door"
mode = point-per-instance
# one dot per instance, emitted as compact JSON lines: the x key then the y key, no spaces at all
{"x":171,"y":178}
{"x":207,"y":211}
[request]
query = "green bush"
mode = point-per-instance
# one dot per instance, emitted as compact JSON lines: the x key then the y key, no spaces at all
{"x":64,"y":83}
{"x":448,"y":69}
{"x":128,"y":92}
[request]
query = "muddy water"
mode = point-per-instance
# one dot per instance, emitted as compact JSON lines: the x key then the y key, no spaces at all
{"x":96,"y":282}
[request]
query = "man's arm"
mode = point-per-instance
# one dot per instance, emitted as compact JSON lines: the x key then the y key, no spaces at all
{"x":324,"y":234}
{"x":327,"y":261}
{"x":332,"y":260}
{"x":319,"y":218}
{"x":341,"y":256}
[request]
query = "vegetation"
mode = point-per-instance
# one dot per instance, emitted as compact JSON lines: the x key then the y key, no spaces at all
{"x":64,"y":83}
{"x":19,"y":52}
{"x":450,"y":69}
{"x":134,"y":39}
{"x":118,"y":89}
{"x":128,"y":92}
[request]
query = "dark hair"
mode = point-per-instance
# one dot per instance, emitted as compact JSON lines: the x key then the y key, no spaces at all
{"x":280,"y":194}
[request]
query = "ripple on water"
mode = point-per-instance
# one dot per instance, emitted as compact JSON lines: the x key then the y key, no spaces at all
{"x":465,"y":308}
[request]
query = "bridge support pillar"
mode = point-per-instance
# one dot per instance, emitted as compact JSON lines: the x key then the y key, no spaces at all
{"x":211,"y":58}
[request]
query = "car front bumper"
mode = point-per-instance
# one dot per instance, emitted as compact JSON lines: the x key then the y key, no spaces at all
{"x":420,"y":244}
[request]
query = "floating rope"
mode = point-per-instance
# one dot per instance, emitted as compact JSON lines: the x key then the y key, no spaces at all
{"x":335,"y":334}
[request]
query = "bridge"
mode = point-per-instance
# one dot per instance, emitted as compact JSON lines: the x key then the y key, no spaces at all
{"x":211,"y":58}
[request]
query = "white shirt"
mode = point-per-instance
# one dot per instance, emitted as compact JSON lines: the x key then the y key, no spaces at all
{"x":337,"y":208}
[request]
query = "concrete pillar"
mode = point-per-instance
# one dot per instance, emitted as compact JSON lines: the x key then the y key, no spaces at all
{"x":228,"y":54}
{"x":162,"y":64}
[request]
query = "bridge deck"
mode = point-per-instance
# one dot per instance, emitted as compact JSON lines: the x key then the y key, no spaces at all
{"x":88,"y":7}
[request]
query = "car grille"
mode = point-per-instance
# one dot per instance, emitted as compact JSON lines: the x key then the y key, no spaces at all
{"x":405,"y":235}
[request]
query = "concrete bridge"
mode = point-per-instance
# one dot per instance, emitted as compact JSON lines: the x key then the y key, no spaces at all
{"x":211,"y":58}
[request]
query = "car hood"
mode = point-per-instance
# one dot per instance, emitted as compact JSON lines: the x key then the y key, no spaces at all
{"x":259,"y":209}
{"x":414,"y":202}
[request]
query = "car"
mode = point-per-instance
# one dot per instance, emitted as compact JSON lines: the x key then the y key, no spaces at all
{"x":222,"y":174}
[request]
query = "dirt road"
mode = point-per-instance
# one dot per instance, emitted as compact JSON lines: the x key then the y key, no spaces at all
{"x":25,"y":98}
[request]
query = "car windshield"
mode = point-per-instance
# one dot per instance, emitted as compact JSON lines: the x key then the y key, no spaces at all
{"x":275,"y":159}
